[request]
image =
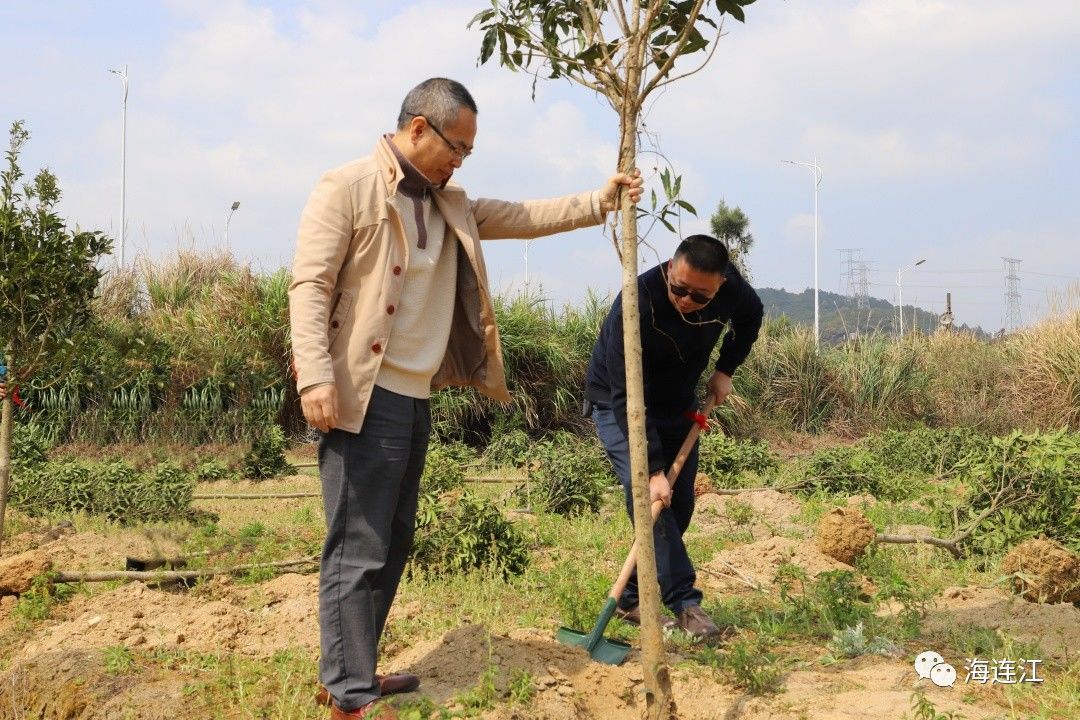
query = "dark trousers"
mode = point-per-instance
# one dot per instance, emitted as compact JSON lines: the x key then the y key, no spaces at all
{"x":675,"y":572}
{"x":370,"y":484}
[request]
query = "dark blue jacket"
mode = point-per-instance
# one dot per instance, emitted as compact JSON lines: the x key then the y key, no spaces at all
{"x":674,"y":350}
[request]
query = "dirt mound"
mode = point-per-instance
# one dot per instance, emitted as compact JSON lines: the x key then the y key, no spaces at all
{"x":255,"y":621}
{"x":844,"y":533}
{"x":763,"y":513}
{"x":759,"y":561}
{"x":569,"y":685}
{"x":1056,"y":628}
{"x":91,"y":550}
{"x":1042,"y":570}
{"x":18,"y":572}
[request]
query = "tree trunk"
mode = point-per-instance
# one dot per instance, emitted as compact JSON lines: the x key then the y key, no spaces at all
{"x":659,"y":703}
{"x":6,"y":422}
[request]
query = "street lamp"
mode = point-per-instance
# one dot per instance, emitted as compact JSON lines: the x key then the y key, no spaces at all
{"x":228,"y":218}
{"x":527,"y":265}
{"x":817,"y":184}
{"x":123,"y":75}
{"x":900,"y":290}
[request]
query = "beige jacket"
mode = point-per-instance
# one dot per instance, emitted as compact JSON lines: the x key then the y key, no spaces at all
{"x":349,"y":269}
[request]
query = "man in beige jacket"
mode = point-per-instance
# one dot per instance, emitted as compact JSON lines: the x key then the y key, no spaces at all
{"x":390,"y":301}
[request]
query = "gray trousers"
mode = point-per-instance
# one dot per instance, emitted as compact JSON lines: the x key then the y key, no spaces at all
{"x":370,"y":484}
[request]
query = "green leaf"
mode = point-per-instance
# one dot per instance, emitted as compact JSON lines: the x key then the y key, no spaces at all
{"x":487,"y":46}
{"x":686,"y":206}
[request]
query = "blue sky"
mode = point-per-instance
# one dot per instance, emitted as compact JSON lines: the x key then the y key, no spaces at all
{"x":946,"y":130}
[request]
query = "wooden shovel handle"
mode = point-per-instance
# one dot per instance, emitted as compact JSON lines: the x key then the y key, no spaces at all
{"x":658,"y":506}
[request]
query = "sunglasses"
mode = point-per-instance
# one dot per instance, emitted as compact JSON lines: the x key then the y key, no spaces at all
{"x":680,"y":291}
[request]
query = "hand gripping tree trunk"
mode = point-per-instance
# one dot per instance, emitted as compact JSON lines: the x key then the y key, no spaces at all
{"x":622,"y":50}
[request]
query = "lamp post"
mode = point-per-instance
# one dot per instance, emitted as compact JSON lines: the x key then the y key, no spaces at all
{"x":527,"y":265}
{"x":123,"y":75}
{"x":900,"y":290}
{"x":817,"y":184}
{"x":228,"y":218}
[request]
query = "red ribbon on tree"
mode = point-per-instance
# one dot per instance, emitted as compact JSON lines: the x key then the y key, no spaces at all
{"x":16,"y":399}
{"x":701,"y":420}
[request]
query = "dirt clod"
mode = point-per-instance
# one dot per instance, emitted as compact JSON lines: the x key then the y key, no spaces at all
{"x":17,"y":572}
{"x":703,"y":485}
{"x":844,"y":533}
{"x":1044,"y":571}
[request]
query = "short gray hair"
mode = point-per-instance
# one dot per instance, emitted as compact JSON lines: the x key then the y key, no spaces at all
{"x":438,"y":99}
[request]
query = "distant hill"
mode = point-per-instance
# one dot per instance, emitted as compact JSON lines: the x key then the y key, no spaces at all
{"x":841,"y":316}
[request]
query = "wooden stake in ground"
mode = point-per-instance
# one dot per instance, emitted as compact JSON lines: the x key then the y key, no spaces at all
{"x":622,"y":50}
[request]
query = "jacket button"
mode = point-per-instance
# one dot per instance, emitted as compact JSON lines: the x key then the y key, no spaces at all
{"x":335,"y":324}
{"x":397,"y":269}
{"x":376,"y":348}
{"x":390,"y":310}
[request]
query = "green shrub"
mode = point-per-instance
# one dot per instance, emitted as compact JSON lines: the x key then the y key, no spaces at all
{"x":508,"y":449}
{"x":455,"y":535}
{"x":1035,"y":480}
{"x":924,"y":450}
{"x":567,"y":475}
{"x":855,"y":470}
{"x":210,"y":470}
{"x":29,"y":445}
{"x":266,"y":458}
{"x":114,"y":490}
{"x":723,"y":458}
{"x":442,"y":469}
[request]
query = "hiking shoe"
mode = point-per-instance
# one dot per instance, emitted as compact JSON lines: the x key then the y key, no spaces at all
{"x":633,"y":616}
{"x":694,"y":622}
{"x":388,"y":685}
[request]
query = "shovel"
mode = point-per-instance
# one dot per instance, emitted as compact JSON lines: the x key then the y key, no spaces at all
{"x":613,"y":652}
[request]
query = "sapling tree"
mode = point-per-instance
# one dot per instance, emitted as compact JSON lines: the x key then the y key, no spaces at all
{"x":624,"y":51}
{"x":48,"y":275}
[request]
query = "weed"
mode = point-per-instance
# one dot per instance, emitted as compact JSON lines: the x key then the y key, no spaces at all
{"x":751,"y":664}
{"x":852,"y":642}
{"x":483,"y":696}
{"x":522,"y":687}
{"x":37,"y":602}
{"x":925,"y":710}
{"x":568,"y":475}
{"x":118,"y":659}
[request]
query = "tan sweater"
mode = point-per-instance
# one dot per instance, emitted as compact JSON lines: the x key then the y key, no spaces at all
{"x":422,"y":318}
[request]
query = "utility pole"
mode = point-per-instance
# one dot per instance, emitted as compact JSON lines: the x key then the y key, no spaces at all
{"x":1012,"y":293}
{"x":817,"y":186}
{"x":123,"y":75}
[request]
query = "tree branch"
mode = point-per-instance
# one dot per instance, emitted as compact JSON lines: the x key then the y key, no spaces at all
{"x":699,"y":68}
{"x":173,"y":575}
{"x":678,"y":44}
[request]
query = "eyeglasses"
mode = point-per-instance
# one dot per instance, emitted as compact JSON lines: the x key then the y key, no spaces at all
{"x":680,"y":291}
{"x":455,"y":150}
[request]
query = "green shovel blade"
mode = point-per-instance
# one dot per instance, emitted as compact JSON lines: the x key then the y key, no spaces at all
{"x":610,"y":652}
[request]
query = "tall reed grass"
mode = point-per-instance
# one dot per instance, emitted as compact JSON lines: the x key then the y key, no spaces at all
{"x":195,"y":349}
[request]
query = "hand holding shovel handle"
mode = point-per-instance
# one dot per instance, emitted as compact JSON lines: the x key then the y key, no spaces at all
{"x":658,"y":506}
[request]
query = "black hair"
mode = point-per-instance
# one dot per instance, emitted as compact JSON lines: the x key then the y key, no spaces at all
{"x":704,"y":253}
{"x":438,"y":99}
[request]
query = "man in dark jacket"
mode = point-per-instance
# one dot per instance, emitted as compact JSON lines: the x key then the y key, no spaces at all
{"x":686,"y":304}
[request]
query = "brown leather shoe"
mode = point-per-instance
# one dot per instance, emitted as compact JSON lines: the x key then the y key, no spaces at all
{"x":633,"y":616}
{"x":375,"y":710}
{"x":388,"y":685}
{"x":694,"y":622}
